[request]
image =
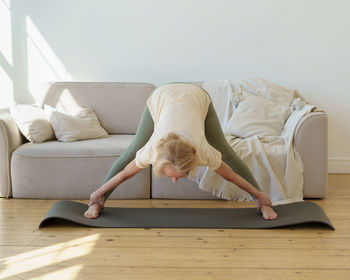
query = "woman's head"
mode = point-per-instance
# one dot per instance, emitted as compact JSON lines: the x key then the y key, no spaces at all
{"x":176,"y":157}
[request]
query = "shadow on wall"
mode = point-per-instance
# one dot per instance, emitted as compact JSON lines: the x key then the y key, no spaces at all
{"x":26,"y":58}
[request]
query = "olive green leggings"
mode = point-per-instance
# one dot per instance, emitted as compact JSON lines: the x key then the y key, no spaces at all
{"x":213,"y":133}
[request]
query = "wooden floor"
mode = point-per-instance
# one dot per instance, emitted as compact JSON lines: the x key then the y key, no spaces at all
{"x":72,"y":252}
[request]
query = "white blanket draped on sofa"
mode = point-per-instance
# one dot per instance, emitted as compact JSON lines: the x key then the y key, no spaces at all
{"x":259,"y":120}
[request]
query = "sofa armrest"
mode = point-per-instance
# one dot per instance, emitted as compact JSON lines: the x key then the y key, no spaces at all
{"x":10,"y":139}
{"x":311,"y":141}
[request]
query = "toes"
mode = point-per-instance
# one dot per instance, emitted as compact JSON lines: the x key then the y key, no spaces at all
{"x":269,"y":216}
{"x":272,"y":217}
{"x":88,"y":215}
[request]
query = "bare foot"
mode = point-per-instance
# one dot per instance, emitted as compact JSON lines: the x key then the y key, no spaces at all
{"x":268,"y":213}
{"x":93,"y":211}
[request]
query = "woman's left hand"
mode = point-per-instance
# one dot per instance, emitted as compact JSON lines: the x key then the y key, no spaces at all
{"x":263,"y":200}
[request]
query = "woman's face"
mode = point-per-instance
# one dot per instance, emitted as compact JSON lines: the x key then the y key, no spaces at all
{"x":173,"y":174}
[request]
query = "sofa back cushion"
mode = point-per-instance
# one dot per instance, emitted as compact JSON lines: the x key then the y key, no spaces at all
{"x":118,"y":106}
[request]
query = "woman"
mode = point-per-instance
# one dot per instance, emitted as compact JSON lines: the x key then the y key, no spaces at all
{"x":179,"y":130}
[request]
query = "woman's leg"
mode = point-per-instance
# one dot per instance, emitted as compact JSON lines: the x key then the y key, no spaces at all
{"x":143,"y":133}
{"x":216,"y":138}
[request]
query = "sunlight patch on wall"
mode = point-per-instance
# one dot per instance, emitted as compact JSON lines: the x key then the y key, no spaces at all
{"x":66,"y":102}
{"x":43,"y":63}
{"x":5,"y":31}
{"x":6,"y":88}
{"x":6,"y":83}
{"x":39,"y":261}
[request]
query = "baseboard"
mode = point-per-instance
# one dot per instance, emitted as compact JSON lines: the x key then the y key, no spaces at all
{"x":338,"y":165}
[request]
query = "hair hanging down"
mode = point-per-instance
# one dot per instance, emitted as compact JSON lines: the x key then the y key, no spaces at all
{"x":177,"y":152}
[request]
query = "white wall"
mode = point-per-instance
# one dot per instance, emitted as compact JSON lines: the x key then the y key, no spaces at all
{"x":301,"y":44}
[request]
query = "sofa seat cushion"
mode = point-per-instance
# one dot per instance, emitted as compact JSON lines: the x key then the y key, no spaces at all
{"x":114,"y":145}
{"x":73,"y":170}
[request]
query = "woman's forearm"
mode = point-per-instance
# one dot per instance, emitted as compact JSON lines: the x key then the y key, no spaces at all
{"x":244,"y":185}
{"x":129,"y":171}
{"x":112,"y":183}
{"x":225,"y":171}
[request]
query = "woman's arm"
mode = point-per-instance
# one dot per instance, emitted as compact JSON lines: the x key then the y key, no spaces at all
{"x":97,"y":197}
{"x":225,"y":171}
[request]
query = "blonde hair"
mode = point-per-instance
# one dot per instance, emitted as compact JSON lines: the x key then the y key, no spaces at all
{"x":177,"y":152}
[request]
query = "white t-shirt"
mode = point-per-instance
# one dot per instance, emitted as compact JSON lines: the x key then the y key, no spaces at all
{"x":181,"y":109}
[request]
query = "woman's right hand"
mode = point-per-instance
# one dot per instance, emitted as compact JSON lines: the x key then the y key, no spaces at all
{"x":97,"y":198}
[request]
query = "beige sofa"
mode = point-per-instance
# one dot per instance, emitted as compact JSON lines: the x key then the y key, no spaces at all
{"x":56,"y":170}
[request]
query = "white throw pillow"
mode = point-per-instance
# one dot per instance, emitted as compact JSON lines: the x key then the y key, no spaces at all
{"x":257,"y":116}
{"x":82,"y":125}
{"x":32,"y":122}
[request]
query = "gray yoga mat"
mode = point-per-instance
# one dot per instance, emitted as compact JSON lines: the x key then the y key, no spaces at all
{"x":243,"y":218}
